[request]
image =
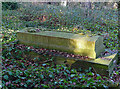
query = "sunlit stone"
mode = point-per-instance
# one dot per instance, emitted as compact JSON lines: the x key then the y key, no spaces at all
{"x":67,"y":42}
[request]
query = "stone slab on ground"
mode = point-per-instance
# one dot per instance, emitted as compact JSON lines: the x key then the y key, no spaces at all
{"x":102,"y":66}
{"x":67,"y":42}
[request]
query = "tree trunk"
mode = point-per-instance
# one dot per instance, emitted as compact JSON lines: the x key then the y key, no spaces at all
{"x":87,"y":6}
{"x":118,"y":30}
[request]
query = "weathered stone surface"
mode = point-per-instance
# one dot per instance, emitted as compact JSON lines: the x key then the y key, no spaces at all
{"x":68,"y":42}
{"x":102,"y":66}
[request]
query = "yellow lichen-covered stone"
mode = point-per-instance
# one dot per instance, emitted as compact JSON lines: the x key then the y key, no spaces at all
{"x":68,"y":42}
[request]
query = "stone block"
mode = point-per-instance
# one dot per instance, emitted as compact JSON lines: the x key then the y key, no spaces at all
{"x":66,"y":42}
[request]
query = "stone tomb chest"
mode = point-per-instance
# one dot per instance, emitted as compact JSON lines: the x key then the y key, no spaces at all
{"x":66,"y":42}
{"x":72,"y":43}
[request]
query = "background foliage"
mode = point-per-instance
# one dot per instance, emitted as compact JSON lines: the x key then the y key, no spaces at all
{"x":9,"y":5}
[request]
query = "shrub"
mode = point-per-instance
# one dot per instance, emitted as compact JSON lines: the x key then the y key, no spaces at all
{"x":9,"y":5}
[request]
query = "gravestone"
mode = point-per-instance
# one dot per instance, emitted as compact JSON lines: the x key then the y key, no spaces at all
{"x":90,"y":46}
{"x":66,"y":42}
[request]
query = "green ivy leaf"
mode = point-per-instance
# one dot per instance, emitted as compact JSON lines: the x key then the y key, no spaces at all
{"x":23,"y":77}
{"x":72,"y":75}
{"x":90,"y":73}
{"x":50,"y":76}
{"x":98,"y":77}
{"x":25,"y":85}
{"x":73,"y":71}
{"x":45,"y":86}
{"x":61,"y":86}
{"x":67,"y":71}
{"x":43,"y":64}
{"x":17,"y":81}
{"x":55,"y":82}
{"x":10,"y":73}
{"x":5,"y":77}
{"x":28,"y":81}
{"x":117,"y":72}
{"x":28,"y":47}
{"x":41,"y":76}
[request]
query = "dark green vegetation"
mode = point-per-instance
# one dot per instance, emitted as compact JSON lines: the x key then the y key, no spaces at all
{"x":9,"y":5}
{"x":20,"y":71}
